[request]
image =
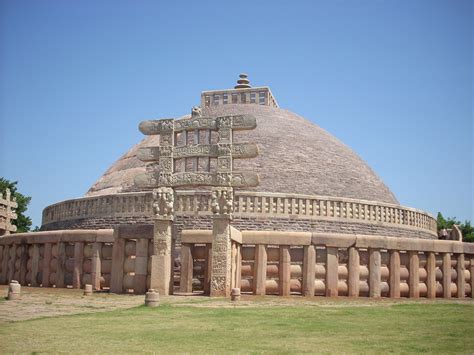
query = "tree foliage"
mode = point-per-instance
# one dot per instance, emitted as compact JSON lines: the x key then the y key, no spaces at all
{"x":23,"y":222}
{"x":466,"y":228}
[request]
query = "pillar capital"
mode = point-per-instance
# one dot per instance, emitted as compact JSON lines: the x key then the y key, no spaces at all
{"x":163,"y":203}
{"x":222,"y":202}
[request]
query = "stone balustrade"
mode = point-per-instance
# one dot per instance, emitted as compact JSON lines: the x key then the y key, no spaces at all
{"x":70,"y":258}
{"x":263,"y":262}
{"x":247,"y":205}
{"x":314,"y":264}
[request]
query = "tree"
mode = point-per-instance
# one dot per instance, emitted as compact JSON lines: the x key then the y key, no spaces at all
{"x":23,"y":223}
{"x":466,"y":228}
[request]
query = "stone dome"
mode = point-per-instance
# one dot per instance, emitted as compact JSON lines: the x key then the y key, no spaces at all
{"x":296,"y":156}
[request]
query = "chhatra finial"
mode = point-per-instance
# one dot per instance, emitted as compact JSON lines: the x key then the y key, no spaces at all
{"x":243,"y":82}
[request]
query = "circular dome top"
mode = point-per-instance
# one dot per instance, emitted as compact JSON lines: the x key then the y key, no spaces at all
{"x":296,"y":156}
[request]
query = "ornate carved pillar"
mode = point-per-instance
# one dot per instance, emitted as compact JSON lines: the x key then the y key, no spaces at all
{"x":161,"y":260}
{"x":222,"y":206}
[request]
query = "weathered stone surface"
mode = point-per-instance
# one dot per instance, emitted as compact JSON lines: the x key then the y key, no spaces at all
{"x":334,"y":171}
{"x":14,"y":291}
{"x":263,"y":210}
{"x":285,"y":270}
{"x":235,"y":294}
{"x":239,"y":150}
{"x":88,"y":289}
{"x":152,"y":298}
{"x":354,"y":272}
{"x":221,"y":257}
{"x":183,"y":179}
{"x":161,"y":261}
{"x":7,"y":213}
{"x":156,"y":127}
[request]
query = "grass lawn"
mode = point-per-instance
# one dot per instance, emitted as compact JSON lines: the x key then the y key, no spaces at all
{"x":206,"y":327}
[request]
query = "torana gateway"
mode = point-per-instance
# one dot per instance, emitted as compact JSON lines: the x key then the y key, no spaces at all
{"x":240,"y":194}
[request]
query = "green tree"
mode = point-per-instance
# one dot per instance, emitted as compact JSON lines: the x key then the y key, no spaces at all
{"x":23,"y":223}
{"x":466,"y":228}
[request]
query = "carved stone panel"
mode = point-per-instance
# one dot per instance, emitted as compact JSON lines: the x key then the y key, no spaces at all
{"x":234,"y":179}
{"x":238,"y":150}
{"x":221,"y":257}
{"x":239,"y":122}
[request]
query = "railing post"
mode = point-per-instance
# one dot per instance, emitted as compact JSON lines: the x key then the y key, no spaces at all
{"x":96,"y":266}
{"x":23,"y":262}
{"x":394,"y":272}
{"x":447,"y":275}
{"x":6,"y":256}
{"x":260,"y":277}
{"x":11,"y":262}
{"x":332,"y":265}
{"x":374,"y":273}
{"x":118,"y":258}
{"x":309,"y":266}
{"x":354,"y":272}
{"x":431,"y":275}
{"x":60,"y":265}
{"x":47,"y":264}
{"x":414,"y":271}
{"x":460,"y":267}
{"x":141,"y":267}
{"x":35,"y":265}
{"x":186,"y":281}
{"x":78,"y":264}
{"x":285,"y":270}
{"x":471,"y":263}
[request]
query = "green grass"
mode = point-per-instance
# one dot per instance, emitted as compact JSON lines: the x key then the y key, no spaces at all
{"x":374,"y":328}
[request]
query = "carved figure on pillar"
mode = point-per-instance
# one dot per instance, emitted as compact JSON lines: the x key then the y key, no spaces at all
{"x":222,"y":201}
{"x":163,"y":203}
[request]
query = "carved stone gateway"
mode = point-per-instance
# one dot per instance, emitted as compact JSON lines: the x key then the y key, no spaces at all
{"x":179,"y":165}
{"x":7,"y":213}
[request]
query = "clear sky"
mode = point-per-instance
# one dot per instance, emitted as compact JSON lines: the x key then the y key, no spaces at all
{"x":391,"y":79}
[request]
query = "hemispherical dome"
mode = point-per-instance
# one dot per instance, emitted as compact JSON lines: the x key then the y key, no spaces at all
{"x":296,"y":156}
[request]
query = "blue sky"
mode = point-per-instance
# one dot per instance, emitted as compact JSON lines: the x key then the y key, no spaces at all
{"x":391,"y":79}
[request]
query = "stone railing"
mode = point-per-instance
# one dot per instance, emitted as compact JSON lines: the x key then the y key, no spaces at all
{"x":263,"y":262}
{"x":315,"y":264}
{"x":115,"y":259}
{"x":247,"y":204}
{"x":58,"y":258}
{"x":7,"y":213}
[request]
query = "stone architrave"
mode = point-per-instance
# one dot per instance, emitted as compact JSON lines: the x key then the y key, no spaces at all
{"x":161,"y":260}
{"x":225,"y":151}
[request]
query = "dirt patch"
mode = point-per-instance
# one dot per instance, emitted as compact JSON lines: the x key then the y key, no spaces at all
{"x":50,"y":302}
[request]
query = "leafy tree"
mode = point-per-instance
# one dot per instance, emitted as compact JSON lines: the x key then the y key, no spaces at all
{"x":466,"y":228}
{"x":23,"y":223}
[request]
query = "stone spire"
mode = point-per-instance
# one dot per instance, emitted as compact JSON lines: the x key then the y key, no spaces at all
{"x":243,"y":82}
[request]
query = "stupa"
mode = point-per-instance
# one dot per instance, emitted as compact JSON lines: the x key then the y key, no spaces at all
{"x":309,"y":181}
